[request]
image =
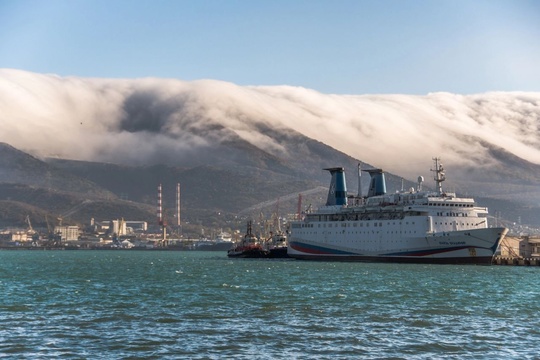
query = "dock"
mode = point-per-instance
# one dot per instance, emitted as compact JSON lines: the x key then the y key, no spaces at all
{"x":514,"y":261}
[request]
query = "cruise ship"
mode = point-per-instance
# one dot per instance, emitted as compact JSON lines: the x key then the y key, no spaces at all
{"x":413,"y":226}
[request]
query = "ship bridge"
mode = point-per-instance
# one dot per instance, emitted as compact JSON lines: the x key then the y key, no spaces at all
{"x":451,"y":202}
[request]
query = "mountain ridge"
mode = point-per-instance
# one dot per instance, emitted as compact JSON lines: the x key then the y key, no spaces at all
{"x":206,"y":189}
{"x":212,"y":196}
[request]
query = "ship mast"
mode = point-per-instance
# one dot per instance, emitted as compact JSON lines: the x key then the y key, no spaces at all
{"x":439,"y":174}
{"x":359,"y":181}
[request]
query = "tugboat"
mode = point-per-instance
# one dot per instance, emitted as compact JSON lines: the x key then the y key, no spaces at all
{"x":277,"y":245}
{"x":248,"y":247}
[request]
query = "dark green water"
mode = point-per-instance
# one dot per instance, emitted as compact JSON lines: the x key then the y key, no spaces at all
{"x":202,"y":305}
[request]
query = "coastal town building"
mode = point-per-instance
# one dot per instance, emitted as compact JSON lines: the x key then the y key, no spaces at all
{"x":8,"y":236}
{"x":520,"y":247}
{"x":67,"y":233}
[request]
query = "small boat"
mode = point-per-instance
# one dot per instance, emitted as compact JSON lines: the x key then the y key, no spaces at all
{"x":248,"y":247}
{"x":221,"y":242}
{"x":277,"y":245}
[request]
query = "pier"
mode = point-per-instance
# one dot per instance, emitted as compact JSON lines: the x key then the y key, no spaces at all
{"x":500,"y":260}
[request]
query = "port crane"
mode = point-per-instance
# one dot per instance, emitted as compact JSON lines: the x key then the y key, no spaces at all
{"x":269,"y":203}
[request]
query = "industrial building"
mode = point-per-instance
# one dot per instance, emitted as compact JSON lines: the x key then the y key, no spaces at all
{"x":520,"y":247}
{"x":68,"y":233}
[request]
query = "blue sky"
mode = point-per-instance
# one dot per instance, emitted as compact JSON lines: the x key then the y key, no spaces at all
{"x":341,"y":46}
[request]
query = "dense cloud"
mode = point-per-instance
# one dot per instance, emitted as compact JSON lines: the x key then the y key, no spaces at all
{"x":146,"y":120}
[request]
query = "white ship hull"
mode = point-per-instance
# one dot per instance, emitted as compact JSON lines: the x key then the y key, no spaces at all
{"x":475,"y":246}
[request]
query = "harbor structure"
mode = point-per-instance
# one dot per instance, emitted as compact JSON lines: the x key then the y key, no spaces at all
{"x":118,"y":227}
{"x":525,"y":246}
{"x":67,"y":233}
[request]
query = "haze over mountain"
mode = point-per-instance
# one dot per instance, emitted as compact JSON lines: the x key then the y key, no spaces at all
{"x":489,"y":143}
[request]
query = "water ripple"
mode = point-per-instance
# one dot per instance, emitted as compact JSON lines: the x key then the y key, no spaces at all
{"x":143,"y":305}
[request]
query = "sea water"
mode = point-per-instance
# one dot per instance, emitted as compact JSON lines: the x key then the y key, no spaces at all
{"x":202,"y":305}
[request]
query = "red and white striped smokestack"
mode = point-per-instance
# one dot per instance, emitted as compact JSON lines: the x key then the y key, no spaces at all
{"x":159,"y":206}
{"x":178,"y":204}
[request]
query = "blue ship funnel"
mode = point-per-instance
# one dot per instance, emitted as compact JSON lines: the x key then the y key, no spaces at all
{"x":377,"y":186}
{"x":337,"y":193}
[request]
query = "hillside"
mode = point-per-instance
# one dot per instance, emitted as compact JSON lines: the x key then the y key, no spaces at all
{"x":107,"y":191}
{"x":212,"y":197}
{"x":19,"y":167}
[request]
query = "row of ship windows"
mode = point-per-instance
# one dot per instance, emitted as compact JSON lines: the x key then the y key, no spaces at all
{"x":450,"y":204}
{"x":446,"y":223}
{"x":452,"y":214}
{"x":361,"y":224}
{"x":359,"y":232}
{"x":379,"y":225}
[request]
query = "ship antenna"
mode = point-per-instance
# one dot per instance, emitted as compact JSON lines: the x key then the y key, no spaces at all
{"x":359,"y":181}
{"x":439,"y":174}
{"x":420,"y":181}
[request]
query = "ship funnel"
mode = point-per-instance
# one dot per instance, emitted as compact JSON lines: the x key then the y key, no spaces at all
{"x":377,"y":186}
{"x":337,"y":193}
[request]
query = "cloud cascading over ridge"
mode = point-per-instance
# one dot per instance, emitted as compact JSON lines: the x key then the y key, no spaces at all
{"x":144,"y":120}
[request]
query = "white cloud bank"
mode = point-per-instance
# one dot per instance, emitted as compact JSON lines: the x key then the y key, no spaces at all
{"x":143,"y":120}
